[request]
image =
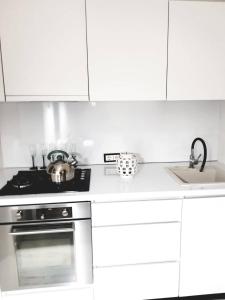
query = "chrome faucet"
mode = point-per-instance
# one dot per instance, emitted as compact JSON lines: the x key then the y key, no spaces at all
{"x":194,"y":161}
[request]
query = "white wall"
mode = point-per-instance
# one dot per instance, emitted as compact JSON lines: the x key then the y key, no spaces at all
{"x":158,"y":131}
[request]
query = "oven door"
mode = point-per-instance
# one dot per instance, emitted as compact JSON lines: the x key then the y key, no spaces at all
{"x":50,"y":254}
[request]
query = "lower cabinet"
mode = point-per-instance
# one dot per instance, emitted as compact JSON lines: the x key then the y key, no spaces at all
{"x":136,"y":249}
{"x":136,"y":282}
{"x":203,"y":247}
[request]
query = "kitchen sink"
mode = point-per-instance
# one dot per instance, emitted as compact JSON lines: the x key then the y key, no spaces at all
{"x":210,"y":175}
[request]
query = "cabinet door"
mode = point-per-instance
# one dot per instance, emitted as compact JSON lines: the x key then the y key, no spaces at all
{"x":127,"y":42}
{"x":196,"y":60}
{"x":2,"y":94}
{"x":137,"y":282}
{"x":44,"y":49}
{"x":203,"y":247}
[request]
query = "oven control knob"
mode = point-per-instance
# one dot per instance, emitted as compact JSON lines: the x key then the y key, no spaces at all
{"x":42,"y":216}
{"x":19,"y":215}
{"x":65,"y":212}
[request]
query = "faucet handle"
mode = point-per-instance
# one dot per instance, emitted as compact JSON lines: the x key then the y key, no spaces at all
{"x":193,"y":161}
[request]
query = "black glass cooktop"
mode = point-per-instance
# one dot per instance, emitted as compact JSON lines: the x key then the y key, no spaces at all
{"x":39,"y":182}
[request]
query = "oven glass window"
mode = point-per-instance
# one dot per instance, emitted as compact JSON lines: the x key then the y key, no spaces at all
{"x":45,"y":254}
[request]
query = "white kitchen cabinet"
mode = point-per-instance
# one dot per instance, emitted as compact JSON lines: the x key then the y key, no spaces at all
{"x":127,"y":44}
{"x":44,"y":49}
{"x":136,"y":249}
{"x":2,"y":94}
{"x":196,"y":50}
{"x":138,"y":243}
{"x":137,"y":282}
{"x":134,"y":212}
{"x":203,"y":247}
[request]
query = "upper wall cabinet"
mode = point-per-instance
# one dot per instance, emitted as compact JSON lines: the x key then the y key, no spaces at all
{"x":127,"y":42}
{"x":2,"y":94}
{"x":44,"y":49}
{"x":196,"y":69}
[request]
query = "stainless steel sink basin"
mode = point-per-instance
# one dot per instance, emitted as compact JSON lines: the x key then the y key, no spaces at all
{"x":210,"y":175}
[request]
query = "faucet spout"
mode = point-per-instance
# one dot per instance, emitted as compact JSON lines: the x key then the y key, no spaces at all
{"x":193,"y":160}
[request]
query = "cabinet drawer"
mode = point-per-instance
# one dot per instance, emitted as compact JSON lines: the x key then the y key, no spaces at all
{"x":136,"y":212}
{"x":132,"y":244}
{"x":136,"y":282}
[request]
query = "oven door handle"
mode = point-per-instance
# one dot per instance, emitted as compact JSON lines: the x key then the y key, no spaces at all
{"x":14,"y":232}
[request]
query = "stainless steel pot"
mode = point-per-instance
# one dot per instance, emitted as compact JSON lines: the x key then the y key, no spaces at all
{"x":60,"y":168}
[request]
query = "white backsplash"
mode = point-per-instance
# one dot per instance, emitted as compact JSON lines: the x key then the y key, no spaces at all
{"x":158,"y":131}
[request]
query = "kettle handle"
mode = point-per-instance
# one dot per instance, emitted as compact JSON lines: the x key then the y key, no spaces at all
{"x":57,"y":152}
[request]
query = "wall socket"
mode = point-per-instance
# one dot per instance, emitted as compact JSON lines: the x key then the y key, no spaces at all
{"x":111,"y":157}
{"x":110,"y":170}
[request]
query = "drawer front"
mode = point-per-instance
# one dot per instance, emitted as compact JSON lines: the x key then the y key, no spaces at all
{"x":136,"y":212}
{"x":132,"y":244}
{"x":136,"y":282}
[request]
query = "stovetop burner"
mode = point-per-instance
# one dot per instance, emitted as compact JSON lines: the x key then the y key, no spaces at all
{"x":20,"y":182}
{"x":39,"y":182}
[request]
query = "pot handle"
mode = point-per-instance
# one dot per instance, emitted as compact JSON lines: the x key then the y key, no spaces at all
{"x":57,"y":152}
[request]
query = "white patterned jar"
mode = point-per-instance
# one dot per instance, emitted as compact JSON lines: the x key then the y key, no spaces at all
{"x":126,"y":164}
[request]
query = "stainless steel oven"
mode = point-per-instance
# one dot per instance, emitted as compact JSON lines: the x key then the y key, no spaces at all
{"x":45,"y":245}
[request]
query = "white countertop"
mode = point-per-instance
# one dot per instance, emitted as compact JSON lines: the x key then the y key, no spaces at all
{"x":152,"y":181}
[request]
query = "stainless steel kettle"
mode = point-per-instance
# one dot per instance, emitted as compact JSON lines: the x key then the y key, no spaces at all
{"x":61,"y":167}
